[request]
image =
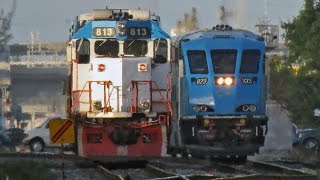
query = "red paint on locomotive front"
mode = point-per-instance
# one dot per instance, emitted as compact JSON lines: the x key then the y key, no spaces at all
{"x":156,"y":147}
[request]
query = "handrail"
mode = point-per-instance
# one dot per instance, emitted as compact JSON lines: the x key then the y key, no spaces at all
{"x":134,"y":95}
{"x":166,"y":101}
{"x":106,"y":84}
{"x":77,"y":102}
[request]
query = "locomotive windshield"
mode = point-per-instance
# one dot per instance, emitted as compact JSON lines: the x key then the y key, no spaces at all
{"x":250,"y":61}
{"x":224,"y":61}
{"x":135,"y":47}
{"x":197,"y":62}
{"x":107,"y":47}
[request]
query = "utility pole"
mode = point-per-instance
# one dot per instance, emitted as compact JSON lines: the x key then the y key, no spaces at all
{"x":270,"y":33}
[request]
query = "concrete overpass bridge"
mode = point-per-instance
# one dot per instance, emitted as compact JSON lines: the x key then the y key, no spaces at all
{"x":37,"y":86}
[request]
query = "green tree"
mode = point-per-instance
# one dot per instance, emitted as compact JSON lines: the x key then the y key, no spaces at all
{"x":5,"y":25}
{"x":302,"y":35}
{"x":300,"y":90}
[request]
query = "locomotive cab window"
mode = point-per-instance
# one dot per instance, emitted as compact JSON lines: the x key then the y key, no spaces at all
{"x":83,"y":51}
{"x":107,"y":47}
{"x":197,"y":62}
{"x":250,"y":61}
{"x":135,"y":47}
{"x":160,"y":50}
{"x":224,"y":61}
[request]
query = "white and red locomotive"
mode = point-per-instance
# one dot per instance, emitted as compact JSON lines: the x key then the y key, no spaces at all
{"x":119,"y":84}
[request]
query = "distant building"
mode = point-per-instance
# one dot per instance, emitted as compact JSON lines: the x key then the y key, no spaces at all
{"x":5,"y":55}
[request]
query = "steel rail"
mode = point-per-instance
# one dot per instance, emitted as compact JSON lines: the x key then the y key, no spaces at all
{"x":108,"y":174}
{"x":162,"y":174}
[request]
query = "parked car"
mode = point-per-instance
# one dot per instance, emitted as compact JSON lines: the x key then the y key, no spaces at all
{"x":4,"y":139}
{"x":38,"y":138}
{"x":16,"y":135}
{"x":308,"y":138}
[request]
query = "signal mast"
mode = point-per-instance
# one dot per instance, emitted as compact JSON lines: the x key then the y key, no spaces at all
{"x":269,"y":31}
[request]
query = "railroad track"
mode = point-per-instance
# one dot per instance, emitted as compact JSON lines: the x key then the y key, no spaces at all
{"x":263,"y":170}
{"x":166,"y":168}
{"x":148,"y":172}
{"x":205,"y":169}
{"x":71,"y":166}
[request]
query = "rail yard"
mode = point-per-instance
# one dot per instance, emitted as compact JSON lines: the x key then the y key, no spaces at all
{"x":127,"y":95}
{"x":75,"y":167}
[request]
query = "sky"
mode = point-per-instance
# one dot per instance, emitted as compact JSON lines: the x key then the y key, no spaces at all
{"x":52,"y":18}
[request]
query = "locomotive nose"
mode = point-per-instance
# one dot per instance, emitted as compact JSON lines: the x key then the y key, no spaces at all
{"x":125,"y":135}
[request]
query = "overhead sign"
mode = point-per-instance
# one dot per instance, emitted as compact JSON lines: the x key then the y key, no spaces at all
{"x":61,"y":131}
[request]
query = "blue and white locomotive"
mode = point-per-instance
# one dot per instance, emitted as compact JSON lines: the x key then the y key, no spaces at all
{"x":219,"y":93}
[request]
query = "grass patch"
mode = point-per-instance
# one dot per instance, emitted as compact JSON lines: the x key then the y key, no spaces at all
{"x":25,"y":170}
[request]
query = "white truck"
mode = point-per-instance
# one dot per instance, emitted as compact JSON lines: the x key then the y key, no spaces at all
{"x":39,"y":138}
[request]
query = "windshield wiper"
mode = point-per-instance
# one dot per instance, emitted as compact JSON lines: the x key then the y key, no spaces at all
{"x":80,"y":45}
{"x":130,"y":44}
{"x":102,"y":43}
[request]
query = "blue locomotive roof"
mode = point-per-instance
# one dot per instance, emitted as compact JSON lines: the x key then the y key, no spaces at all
{"x":87,"y":30}
{"x":218,"y":34}
{"x":223,"y":42}
{"x":221,"y":39}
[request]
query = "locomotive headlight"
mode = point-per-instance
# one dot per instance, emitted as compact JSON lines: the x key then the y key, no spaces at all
{"x":252,"y":108}
{"x":121,"y":25}
{"x":144,"y":104}
{"x":98,"y":105}
{"x":196,"y":108}
{"x":245,"y":108}
{"x":121,"y":28}
{"x":122,"y":33}
{"x":220,"y":81}
{"x":224,"y":81}
{"x":228,"y":81}
{"x":201,"y":108}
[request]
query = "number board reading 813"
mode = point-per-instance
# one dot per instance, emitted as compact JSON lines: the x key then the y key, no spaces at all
{"x":104,"y":32}
{"x":138,"y":32}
